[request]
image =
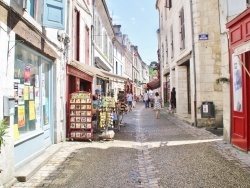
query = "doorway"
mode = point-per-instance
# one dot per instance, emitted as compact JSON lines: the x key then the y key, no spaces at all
{"x":188,"y":88}
{"x":247,"y":64}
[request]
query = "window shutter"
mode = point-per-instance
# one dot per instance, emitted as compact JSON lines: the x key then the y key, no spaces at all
{"x":54,"y":14}
{"x":167,"y":4}
{"x":235,"y":7}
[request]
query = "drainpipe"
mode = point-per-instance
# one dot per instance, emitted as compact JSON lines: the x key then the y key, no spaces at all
{"x":194,"y":64}
{"x":92,"y":45}
{"x":92,"y":32}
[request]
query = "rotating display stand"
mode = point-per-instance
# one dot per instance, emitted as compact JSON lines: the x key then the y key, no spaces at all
{"x":80,"y":118}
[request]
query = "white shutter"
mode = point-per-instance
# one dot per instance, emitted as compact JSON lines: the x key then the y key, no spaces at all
{"x":235,"y":7}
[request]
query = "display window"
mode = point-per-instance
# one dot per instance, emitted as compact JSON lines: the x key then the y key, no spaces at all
{"x":32,"y":83}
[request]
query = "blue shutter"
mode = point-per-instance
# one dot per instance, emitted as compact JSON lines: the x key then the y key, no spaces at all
{"x":54,"y":14}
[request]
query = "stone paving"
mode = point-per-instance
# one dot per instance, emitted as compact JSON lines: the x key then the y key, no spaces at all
{"x":147,"y":153}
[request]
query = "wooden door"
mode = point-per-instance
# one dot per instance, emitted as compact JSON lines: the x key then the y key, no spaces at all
{"x":239,"y":107}
{"x":248,"y":99}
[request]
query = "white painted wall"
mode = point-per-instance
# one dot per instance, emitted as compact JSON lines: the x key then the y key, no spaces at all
{"x":6,"y":88}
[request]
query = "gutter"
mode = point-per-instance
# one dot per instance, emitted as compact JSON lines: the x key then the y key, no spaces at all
{"x":194,"y":63}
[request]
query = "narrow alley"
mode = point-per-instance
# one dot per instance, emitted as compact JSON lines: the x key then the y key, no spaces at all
{"x":148,"y":153}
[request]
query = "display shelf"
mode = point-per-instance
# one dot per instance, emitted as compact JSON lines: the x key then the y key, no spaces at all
{"x":80,"y":116}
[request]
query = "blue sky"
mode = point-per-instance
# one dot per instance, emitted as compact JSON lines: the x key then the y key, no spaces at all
{"x":139,"y":20}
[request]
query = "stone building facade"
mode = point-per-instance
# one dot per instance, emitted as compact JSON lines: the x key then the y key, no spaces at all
{"x":190,"y":56}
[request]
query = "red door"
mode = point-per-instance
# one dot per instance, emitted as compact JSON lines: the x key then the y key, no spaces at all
{"x":240,"y":103}
{"x":248,"y":98}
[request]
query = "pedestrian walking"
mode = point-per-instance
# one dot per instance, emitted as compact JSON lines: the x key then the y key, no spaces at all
{"x":134,"y":100}
{"x":157,"y":104}
{"x":146,"y":99}
{"x":173,"y":100}
{"x":151,"y":101}
{"x":129,"y":101}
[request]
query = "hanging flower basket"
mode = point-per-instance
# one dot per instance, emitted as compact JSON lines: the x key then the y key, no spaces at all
{"x":222,"y":80}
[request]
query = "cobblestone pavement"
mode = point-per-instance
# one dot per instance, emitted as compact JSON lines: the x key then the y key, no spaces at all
{"x":147,"y":153}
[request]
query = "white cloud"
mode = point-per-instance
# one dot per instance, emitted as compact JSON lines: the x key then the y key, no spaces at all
{"x":133,"y":20}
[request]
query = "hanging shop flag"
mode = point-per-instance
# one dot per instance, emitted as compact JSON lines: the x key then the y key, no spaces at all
{"x":136,"y":54}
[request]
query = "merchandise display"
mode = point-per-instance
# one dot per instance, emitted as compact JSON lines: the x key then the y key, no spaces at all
{"x":80,"y":121}
{"x":106,"y":114}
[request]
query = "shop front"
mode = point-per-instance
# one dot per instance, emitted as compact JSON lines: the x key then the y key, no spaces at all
{"x":78,"y":80}
{"x":33,"y":83}
{"x":82,"y":78}
{"x":239,"y":53}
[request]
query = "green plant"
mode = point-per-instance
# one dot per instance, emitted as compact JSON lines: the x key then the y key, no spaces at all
{"x":222,"y":80}
{"x":3,"y":131}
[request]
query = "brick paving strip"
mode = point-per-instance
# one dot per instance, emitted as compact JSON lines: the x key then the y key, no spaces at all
{"x":146,"y":174}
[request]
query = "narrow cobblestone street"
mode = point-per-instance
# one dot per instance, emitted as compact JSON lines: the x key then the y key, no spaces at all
{"x":147,"y":153}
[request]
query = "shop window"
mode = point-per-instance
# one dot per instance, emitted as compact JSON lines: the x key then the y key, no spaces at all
{"x":32,"y":91}
{"x":116,"y":67}
{"x":182,"y":29}
{"x":45,"y":90}
{"x":166,"y":44}
{"x":29,"y":5}
{"x":87,"y":51}
{"x":172,"y":41}
{"x":77,"y":35}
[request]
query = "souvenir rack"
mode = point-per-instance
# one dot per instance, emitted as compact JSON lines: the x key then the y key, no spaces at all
{"x":80,"y":116}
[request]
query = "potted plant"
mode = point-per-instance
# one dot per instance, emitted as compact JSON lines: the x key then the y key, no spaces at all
{"x":222,"y":80}
{"x":3,"y":132}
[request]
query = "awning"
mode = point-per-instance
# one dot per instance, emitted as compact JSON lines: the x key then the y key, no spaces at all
{"x":101,"y":64}
{"x":154,"y":84}
{"x":184,"y":59}
{"x":114,"y":76}
{"x":89,"y":69}
{"x":96,"y":71}
{"x":166,"y":71}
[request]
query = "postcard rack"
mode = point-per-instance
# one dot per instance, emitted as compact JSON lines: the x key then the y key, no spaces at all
{"x":80,"y":118}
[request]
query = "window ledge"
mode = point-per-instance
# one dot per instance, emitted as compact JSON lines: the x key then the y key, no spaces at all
{"x":28,"y":136}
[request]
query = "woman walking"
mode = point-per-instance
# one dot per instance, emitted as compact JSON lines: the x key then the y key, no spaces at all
{"x":173,"y":100}
{"x":157,"y":104}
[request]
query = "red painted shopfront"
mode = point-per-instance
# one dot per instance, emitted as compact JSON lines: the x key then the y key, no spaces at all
{"x":76,"y":80}
{"x":239,"y":51}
